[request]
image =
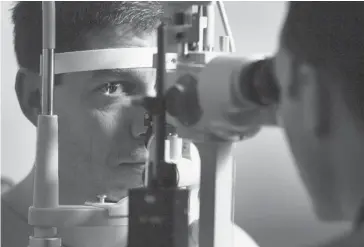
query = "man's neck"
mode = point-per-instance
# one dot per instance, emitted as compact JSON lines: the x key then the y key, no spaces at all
{"x":20,"y":197}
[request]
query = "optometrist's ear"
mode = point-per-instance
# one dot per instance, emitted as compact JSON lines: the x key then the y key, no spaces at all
{"x":28,"y":91}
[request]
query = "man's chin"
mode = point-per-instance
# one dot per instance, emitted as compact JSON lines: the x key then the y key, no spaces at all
{"x":118,"y":194}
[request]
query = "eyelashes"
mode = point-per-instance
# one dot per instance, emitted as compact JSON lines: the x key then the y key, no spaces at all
{"x":118,"y":88}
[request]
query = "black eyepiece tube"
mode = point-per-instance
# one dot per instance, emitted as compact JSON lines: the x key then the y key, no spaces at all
{"x":258,"y":83}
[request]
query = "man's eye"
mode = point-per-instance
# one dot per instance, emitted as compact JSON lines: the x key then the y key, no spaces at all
{"x":120,"y":87}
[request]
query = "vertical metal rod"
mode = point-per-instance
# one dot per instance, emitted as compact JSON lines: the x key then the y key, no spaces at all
{"x":216,"y":193}
{"x":201,"y":30}
{"x":209,"y":34}
{"x":225,"y":23}
{"x":45,"y":194}
{"x":160,"y":119}
{"x":49,"y":44}
{"x":47,"y":81}
{"x":224,"y":42}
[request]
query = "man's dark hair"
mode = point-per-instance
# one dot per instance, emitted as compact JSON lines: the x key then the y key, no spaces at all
{"x":74,"y":20}
{"x":330,"y":36}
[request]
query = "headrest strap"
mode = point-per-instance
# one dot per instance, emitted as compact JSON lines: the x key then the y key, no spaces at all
{"x":103,"y":59}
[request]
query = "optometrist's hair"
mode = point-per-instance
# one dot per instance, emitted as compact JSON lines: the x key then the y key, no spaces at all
{"x":74,"y":20}
{"x":329,"y":36}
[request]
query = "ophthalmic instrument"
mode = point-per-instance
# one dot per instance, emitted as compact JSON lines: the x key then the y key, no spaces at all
{"x":196,"y":86}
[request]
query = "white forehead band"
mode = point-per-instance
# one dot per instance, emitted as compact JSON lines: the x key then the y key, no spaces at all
{"x":121,"y":58}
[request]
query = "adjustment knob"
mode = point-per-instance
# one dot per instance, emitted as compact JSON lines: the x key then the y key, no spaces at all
{"x":224,"y":42}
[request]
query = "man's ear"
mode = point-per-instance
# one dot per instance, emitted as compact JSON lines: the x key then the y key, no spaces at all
{"x":28,"y":91}
{"x":315,"y":99}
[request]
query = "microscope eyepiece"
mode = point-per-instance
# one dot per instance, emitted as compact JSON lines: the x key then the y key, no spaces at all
{"x":182,"y":101}
{"x":258,"y":84}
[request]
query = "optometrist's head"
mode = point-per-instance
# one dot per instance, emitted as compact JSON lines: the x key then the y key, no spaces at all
{"x":101,"y":143}
{"x":319,"y":67}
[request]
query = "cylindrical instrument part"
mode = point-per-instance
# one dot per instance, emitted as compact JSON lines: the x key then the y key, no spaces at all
{"x":225,"y":23}
{"x":185,"y":155}
{"x":201,"y":30}
{"x":47,"y":81}
{"x":45,"y":242}
{"x":209,"y":12}
{"x":46,"y":179}
{"x":49,"y":44}
{"x":224,"y":42}
{"x":175,"y":147}
{"x":45,"y":232}
{"x":189,"y":165}
{"x":49,"y":24}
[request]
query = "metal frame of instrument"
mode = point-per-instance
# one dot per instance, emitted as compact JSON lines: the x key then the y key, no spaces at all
{"x":217,"y":169}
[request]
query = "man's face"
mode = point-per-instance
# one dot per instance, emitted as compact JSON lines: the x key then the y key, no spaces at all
{"x":101,"y":146}
{"x":304,"y":118}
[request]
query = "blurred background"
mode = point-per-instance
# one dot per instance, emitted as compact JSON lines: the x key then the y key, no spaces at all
{"x":271,"y":203}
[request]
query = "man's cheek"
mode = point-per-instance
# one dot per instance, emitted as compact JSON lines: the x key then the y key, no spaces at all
{"x":105,"y":123}
{"x":71,"y":140}
{"x":74,"y":131}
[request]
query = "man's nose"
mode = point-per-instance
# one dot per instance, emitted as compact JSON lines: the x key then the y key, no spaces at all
{"x":139,"y":125}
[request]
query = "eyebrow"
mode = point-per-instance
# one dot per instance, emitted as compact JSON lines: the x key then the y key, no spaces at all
{"x":138,"y":75}
{"x":115,"y":73}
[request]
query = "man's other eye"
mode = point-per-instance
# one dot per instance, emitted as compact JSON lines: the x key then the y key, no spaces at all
{"x":117,"y":88}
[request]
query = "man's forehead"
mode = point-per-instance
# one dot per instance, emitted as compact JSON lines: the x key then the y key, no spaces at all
{"x":117,"y":37}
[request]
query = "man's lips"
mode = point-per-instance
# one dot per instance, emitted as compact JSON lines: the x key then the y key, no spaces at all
{"x":134,"y":166}
{"x":139,"y":163}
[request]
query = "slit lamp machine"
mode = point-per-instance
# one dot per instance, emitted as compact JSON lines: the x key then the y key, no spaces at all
{"x":195,"y":86}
